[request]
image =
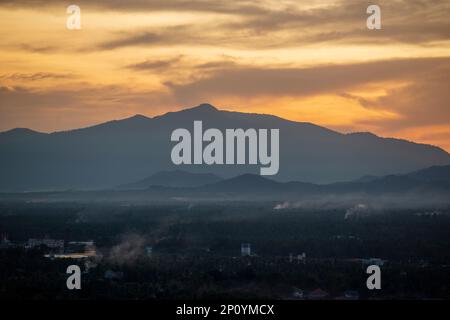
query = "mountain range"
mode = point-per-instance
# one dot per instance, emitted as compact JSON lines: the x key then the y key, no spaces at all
{"x":118,"y":152}
{"x":176,"y":179}
{"x":436,"y":178}
{"x":425,"y":188}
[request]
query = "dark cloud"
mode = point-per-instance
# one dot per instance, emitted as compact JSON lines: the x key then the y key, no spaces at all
{"x":247,"y":7}
{"x":418,"y":21}
{"x":246,"y":81}
{"x":133,"y":39}
{"x":155,"y":65}
{"x":214,"y":65}
{"x":423,"y":100}
{"x":169,"y":36}
{"x":182,"y":63}
{"x":362,"y":101}
{"x":403,"y":21}
{"x":37,"y":48}
{"x":35,"y":76}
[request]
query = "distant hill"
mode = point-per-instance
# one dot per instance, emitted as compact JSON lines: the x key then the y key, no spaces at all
{"x":435,"y":178}
{"x":176,"y":178}
{"x":431,"y":174}
{"x":117,"y":152}
{"x":434,"y":173}
{"x":417,"y":181}
{"x":392,"y":191}
{"x":245,"y":183}
{"x":252,"y":183}
{"x":19,"y":134}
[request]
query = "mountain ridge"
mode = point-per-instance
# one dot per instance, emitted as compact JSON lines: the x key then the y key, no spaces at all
{"x":248,"y":182}
{"x":117,"y":152}
{"x":206,"y":107}
{"x":175,"y":178}
{"x":410,"y":182}
{"x":394,"y":191}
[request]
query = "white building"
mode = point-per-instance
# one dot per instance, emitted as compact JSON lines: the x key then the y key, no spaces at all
{"x":246,"y":249}
{"x":50,"y":243}
{"x":301,"y":258}
{"x":5,"y":243}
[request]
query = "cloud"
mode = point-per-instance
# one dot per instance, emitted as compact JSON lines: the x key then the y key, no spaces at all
{"x":83,"y":105}
{"x":195,"y":35}
{"x":265,"y":24}
{"x":419,"y":21}
{"x":183,"y":56}
{"x":419,"y":96}
{"x":249,"y":81}
{"x":217,"y":65}
{"x":424,"y":101}
{"x":288,"y":24}
{"x":133,"y":39}
{"x":180,"y":62}
{"x":216,"y":6}
{"x":35,"y":76}
{"x":152,"y":65}
{"x":362,"y":101}
{"x":37,"y":48}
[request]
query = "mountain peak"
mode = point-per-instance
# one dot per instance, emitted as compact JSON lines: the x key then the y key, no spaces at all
{"x":204,"y":107}
{"x":246,"y":180}
{"x":201,"y":109}
{"x":20,"y":132}
{"x":363,"y":134}
{"x":139,"y":117}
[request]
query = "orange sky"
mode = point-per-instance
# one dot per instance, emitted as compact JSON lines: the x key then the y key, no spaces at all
{"x":303,"y":60}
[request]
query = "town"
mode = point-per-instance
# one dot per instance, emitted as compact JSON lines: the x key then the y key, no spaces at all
{"x":215,"y":251}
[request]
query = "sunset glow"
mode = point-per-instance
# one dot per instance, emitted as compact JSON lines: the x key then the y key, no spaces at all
{"x":314,"y":62}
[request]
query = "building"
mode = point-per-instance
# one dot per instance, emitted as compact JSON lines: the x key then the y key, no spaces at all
{"x":246,"y":249}
{"x":301,"y":258}
{"x":50,"y":243}
{"x":5,"y":243}
{"x":72,"y":250}
{"x":373,"y":261}
{"x":149,"y":251}
{"x":297,"y":294}
{"x":351,"y":295}
{"x":318,"y":294}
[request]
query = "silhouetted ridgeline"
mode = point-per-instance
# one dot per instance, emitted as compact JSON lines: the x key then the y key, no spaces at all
{"x":425,"y":188}
{"x":118,"y":152}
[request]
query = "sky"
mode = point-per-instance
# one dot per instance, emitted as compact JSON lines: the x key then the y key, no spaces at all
{"x":310,"y":61}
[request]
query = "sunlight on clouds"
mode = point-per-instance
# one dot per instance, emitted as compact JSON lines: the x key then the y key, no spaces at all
{"x":327,"y":110}
{"x":129,"y":60}
{"x":434,"y":135}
